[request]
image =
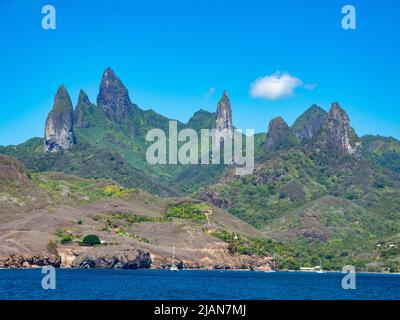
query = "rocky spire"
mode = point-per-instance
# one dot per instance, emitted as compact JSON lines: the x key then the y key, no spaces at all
{"x":279,"y":134}
{"x":309,"y":124}
{"x":113,"y":96}
{"x":82,"y":108}
{"x":224,"y":113}
{"x":337,"y":134}
{"x":58,"y":131}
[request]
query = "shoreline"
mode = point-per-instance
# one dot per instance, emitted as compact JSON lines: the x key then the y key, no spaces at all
{"x":216,"y":270}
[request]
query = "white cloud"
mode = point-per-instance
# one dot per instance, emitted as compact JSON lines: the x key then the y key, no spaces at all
{"x":276,"y":86}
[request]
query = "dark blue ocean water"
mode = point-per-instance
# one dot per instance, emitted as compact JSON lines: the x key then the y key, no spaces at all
{"x":202,"y":285}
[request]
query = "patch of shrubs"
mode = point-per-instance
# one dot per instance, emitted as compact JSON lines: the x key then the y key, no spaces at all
{"x":52,"y":248}
{"x":66,"y":239}
{"x":91,"y":240}
{"x":189,"y":211}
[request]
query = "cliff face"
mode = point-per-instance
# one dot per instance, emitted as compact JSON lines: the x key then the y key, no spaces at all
{"x":279,"y":134}
{"x":58,"y":130}
{"x":224,"y":113}
{"x":123,"y":259}
{"x":337,"y":135}
{"x":223,"y":121}
{"x":113,"y":97}
{"x":330,"y":131}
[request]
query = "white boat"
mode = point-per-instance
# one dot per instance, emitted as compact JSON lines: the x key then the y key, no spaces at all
{"x":173,"y":266}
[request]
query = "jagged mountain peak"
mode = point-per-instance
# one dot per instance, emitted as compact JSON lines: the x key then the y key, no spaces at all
{"x":81,"y":110}
{"x":62,"y":99}
{"x":337,"y":135}
{"x":83,"y":98}
{"x":224,"y":113}
{"x":336,"y":111}
{"x":113,"y":96}
{"x":277,"y":122}
{"x":59,"y":123}
{"x":109,"y":78}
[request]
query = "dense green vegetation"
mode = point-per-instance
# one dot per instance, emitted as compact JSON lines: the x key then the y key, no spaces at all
{"x":114,"y":220}
{"x":332,"y":255}
{"x":91,"y":240}
{"x":383,"y":151}
{"x":189,"y":211}
{"x":292,"y":178}
{"x":321,"y":208}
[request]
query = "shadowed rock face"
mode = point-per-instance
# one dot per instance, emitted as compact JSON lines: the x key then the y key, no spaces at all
{"x":309,"y":124}
{"x":224,"y":113}
{"x":337,"y":135}
{"x":133,"y":259}
{"x":59,"y":123}
{"x":113,"y":97}
{"x":278,"y":134}
{"x":82,"y":107}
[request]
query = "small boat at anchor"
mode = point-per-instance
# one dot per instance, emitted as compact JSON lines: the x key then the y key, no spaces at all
{"x":173,"y":267}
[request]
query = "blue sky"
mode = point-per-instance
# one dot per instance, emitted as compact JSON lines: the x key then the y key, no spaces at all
{"x":178,"y":56}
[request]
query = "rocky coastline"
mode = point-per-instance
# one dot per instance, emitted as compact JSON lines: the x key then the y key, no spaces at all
{"x":129,"y":260}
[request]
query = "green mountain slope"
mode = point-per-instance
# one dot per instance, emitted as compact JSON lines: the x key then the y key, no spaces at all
{"x":320,"y":195}
{"x":382,"y":151}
